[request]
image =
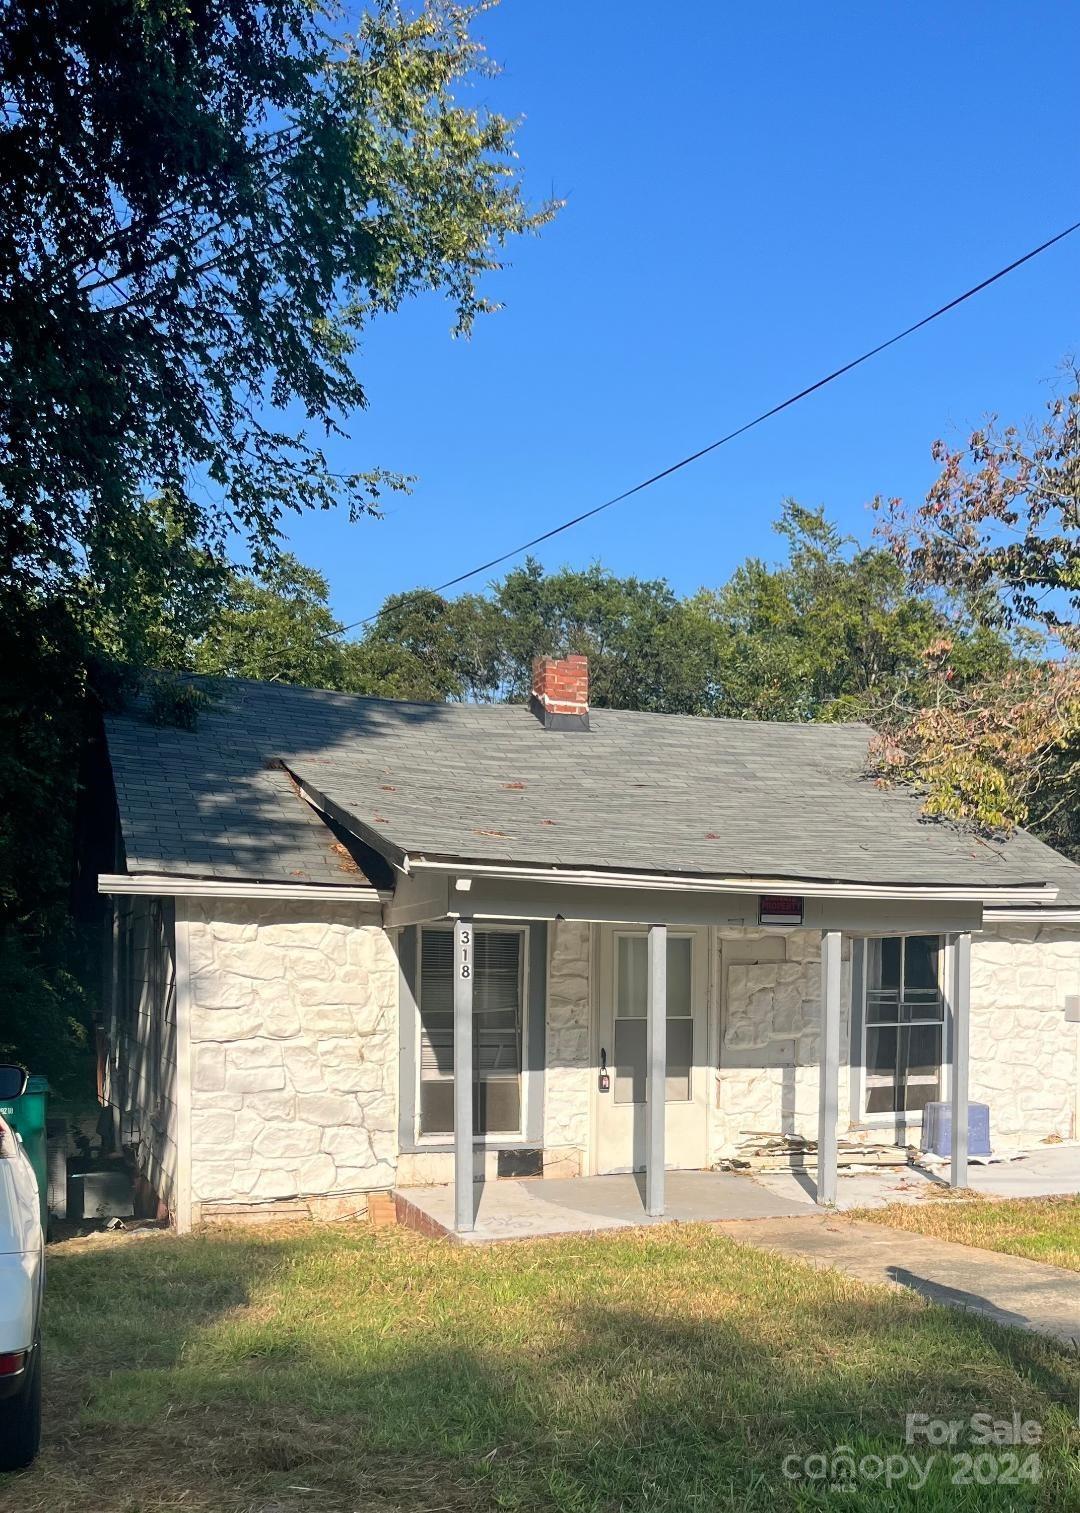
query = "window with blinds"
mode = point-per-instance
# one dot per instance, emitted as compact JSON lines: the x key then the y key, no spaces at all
{"x":498,"y":996}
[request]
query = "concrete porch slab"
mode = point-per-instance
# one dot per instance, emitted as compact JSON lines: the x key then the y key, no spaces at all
{"x":1048,"y":1171}
{"x":510,"y":1210}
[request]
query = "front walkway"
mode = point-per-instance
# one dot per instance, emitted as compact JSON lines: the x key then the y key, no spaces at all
{"x":1007,"y":1289}
{"x":507,"y":1210}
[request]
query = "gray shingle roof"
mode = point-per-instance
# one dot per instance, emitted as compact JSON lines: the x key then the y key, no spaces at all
{"x":487,"y":783}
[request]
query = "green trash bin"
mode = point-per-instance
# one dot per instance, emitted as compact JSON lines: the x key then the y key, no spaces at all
{"x":27,"y":1116}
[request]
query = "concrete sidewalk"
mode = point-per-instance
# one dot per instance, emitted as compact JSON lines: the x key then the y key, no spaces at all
{"x":1007,"y":1289}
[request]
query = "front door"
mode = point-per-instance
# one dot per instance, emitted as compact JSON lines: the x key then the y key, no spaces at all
{"x":620,"y":1112}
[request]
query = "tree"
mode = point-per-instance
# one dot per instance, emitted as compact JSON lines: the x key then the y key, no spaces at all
{"x":1000,"y":530}
{"x":204,"y":205}
{"x":833,"y":633}
{"x":278,"y":626}
{"x":647,"y":648}
{"x":424,"y":647}
{"x":1001,"y":523}
{"x":44,"y":1006}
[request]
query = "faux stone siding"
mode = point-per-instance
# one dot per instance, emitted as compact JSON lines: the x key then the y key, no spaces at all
{"x":1023,"y":1050}
{"x":293,"y":1051}
{"x":568,"y":1076}
{"x":764,"y":1008}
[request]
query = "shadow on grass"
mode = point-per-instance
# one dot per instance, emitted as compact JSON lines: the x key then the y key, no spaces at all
{"x":339,"y":1371}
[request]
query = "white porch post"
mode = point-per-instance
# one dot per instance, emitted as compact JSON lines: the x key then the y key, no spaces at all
{"x":463,"y":1074}
{"x":656,"y":1097}
{"x":961,"y":1018}
{"x":829,"y":1072}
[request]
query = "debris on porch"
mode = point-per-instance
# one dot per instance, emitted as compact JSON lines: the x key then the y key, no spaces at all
{"x":774,"y":1151}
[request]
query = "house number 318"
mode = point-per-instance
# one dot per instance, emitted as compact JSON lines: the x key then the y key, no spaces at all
{"x":466,"y":953}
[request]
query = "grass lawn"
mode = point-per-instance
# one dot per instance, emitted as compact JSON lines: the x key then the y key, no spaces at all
{"x":337,"y":1368}
{"x":1043,"y":1229}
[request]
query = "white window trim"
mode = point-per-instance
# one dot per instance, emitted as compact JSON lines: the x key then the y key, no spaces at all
{"x":440,"y":1139}
{"x":693,"y":936}
{"x":898,"y":1119}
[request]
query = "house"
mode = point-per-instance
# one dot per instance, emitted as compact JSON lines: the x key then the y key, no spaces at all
{"x":361,"y":945}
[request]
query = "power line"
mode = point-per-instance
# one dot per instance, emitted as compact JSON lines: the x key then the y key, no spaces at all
{"x":684,"y":462}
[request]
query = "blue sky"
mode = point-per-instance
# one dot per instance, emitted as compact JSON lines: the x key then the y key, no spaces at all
{"x":754,"y":195}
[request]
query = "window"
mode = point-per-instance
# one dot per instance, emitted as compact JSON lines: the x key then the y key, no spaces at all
{"x":903,"y":1024}
{"x":498,"y":994}
{"x":631,"y":990}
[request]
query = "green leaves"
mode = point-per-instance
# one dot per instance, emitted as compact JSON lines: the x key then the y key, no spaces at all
{"x":204,"y":204}
{"x":204,"y":207}
{"x":999,"y":532}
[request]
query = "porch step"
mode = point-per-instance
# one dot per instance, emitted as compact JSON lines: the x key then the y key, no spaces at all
{"x":410,"y":1216}
{"x":382,"y":1210}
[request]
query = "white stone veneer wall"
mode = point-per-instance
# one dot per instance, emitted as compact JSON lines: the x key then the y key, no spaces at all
{"x":1023,"y":1050}
{"x":768,"y":1003}
{"x":294,"y":1045}
{"x":293,"y":1051}
{"x":568,"y":1077}
{"x":761,"y":1008}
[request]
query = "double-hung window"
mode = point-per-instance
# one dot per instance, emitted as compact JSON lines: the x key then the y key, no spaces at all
{"x":903,"y":1024}
{"x":498,"y":1025}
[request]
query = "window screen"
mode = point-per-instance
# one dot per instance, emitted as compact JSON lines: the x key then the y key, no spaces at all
{"x":497,"y":1031}
{"x":904,"y":1028}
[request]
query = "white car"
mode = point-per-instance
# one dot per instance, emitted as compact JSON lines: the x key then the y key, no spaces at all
{"x":22,"y":1283}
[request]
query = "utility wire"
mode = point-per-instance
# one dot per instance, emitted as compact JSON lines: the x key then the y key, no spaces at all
{"x":685,"y":462}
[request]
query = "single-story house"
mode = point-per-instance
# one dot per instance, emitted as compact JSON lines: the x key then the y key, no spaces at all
{"x":360,"y":945}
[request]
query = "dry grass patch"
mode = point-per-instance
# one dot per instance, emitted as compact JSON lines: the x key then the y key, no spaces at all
{"x":1042,"y":1229}
{"x":337,"y":1368}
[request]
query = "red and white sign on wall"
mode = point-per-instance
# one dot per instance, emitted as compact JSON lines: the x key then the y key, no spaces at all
{"x":781,"y":909}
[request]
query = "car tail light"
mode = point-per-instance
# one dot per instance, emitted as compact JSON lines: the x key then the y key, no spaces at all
{"x":12,"y":1362}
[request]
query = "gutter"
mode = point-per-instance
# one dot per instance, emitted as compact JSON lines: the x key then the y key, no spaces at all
{"x":1036,"y":894}
{"x":160,"y":884}
{"x":996,"y":914}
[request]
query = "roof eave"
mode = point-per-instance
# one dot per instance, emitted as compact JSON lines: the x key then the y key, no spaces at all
{"x":1015,"y":894}
{"x":173,"y":885}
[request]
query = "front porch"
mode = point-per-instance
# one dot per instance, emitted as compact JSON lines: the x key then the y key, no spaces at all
{"x":724,"y":1013}
{"x":516,"y":1210}
{"x":511,"y":1210}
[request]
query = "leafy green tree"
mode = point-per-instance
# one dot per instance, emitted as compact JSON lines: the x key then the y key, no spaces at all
{"x":44,"y":1006}
{"x":153,"y":599}
{"x":424,"y":647}
{"x":832,"y":633}
{"x":647,"y":648}
{"x":278,"y":627}
{"x":205,"y":204}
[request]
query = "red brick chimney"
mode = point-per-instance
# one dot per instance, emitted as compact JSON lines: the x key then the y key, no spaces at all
{"x":560,"y":692}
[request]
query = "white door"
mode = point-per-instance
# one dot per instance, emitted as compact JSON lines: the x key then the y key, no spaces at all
{"x":620,"y":1112}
